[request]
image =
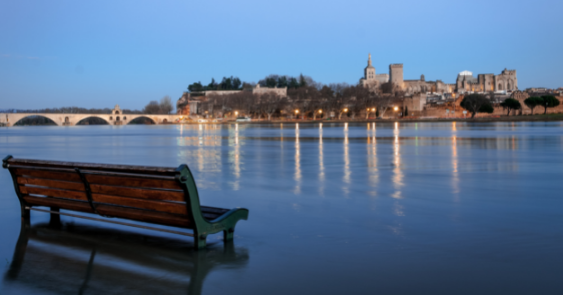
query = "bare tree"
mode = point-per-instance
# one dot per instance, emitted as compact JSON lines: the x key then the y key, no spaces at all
{"x":356,"y":99}
{"x":384,"y":101}
{"x":338,"y":87}
{"x":218,"y":104}
{"x":304,"y":99}
{"x":269,"y":103}
{"x":243,"y":102}
{"x":152,"y":108}
{"x":166,"y":105}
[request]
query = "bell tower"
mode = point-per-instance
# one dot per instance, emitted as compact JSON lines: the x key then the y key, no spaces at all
{"x":369,"y":71}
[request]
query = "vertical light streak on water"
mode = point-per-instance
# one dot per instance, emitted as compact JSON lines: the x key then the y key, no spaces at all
{"x":321,"y":161}
{"x":455,"y":174}
{"x":397,"y":172}
{"x":297,"y":175}
{"x":281,"y":147}
{"x":347,"y":171}
{"x":372,"y":160}
{"x":235,"y":159}
{"x":514,"y":143}
{"x":200,"y":157}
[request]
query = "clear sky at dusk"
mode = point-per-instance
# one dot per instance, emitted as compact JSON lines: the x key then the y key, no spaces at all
{"x":99,"y":53}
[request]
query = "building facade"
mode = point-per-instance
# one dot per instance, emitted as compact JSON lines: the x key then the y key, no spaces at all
{"x":506,"y":81}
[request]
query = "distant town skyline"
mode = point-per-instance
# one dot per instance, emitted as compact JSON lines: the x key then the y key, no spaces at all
{"x":94,"y":55}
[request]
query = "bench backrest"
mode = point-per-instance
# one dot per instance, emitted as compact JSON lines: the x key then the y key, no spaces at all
{"x":154,"y":194}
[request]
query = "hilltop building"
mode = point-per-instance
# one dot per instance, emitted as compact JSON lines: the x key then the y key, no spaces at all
{"x":506,"y":81}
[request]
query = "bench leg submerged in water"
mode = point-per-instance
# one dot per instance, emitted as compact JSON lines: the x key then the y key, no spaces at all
{"x":25,"y":214}
{"x":200,"y":241}
{"x":228,"y":234}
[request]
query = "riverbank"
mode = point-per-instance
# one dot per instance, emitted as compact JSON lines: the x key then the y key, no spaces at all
{"x":518,"y":118}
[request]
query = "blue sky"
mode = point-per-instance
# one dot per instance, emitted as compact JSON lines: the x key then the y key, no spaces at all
{"x":95,"y":54}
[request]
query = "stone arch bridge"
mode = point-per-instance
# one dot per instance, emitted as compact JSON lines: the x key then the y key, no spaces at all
{"x":115,"y":118}
{"x":9,"y":119}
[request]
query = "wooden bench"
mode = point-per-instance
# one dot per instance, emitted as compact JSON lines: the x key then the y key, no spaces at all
{"x":165,"y":196}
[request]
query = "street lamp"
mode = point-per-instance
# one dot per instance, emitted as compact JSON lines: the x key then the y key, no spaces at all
{"x":396,"y":109}
{"x":236,"y":113}
{"x":345,"y":110}
{"x":296,"y":112}
{"x":320,"y":111}
{"x":373,"y":109}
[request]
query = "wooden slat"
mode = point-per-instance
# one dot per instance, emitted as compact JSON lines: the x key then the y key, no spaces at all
{"x":64,"y":176}
{"x":128,"y":213}
{"x":142,"y":204}
{"x":58,"y":193}
{"x":159,"y":206}
{"x":164,"y":195}
{"x":95,"y":166}
{"x":80,"y":206}
{"x":132,"y":182}
{"x":51,"y":183}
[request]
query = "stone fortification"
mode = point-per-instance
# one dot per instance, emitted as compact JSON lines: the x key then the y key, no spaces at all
{"x":506,"y":81}
{"x":396,"y":75}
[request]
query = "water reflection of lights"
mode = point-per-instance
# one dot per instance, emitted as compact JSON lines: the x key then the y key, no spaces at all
{"x":347,"y":171}
{"x":455,"y":176}
{"x":237,"y":153}
{"x":321,"y":161}
{"x":201,"y":150}
{"x":234,"y":155}
{"x":297,"y":175}
{"x":397,"y":172}
{"x":372,"y":159}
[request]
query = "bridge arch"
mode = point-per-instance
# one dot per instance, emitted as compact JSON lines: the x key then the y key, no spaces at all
{"x":131,"y":119}
{"x":92,"y":116}
{"x":51,"y":120}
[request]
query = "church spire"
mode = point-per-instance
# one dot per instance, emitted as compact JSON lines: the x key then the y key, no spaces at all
{"x":369,"y":60}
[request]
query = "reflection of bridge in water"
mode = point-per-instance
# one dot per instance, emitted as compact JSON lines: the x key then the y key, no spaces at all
{"x":115,"y":118}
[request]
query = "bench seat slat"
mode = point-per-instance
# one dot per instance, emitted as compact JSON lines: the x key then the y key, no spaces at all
{"x":149,"y":194}
{"x":58,"y":193}
{"x":120,"y":212}
{"x":176,"y":208}
{"x":45,"y":174}
{"x":51,"y":183}
{"x":132,"y":181}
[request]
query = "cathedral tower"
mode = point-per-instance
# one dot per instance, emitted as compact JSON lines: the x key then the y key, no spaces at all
{"x":369,"y":71}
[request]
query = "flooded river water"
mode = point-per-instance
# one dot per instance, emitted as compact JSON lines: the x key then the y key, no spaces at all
{"x":335,"y":208}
